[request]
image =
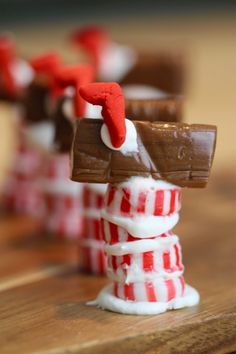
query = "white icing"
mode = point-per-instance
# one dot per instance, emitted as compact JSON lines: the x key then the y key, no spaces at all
{"x":138,"y":183}
{"x":106,"y":300}
{"x":130,"y":144}
{"x":140,"y":246}
{"x":22,"y":72}
{"x":142,"y":92}
{"x":135,"y":274}
{"x":99,"y":188}
{"x":41,"y":134}
{"x":91,"y":111}
{"x":143,"y":226}
{"x":116,"y":61}
{"x":60,"y":186}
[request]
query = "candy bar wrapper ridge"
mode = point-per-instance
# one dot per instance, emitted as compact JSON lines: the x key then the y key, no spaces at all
{"x":179,"y":153}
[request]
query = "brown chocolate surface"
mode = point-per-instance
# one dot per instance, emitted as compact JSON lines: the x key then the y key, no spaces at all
{"x":165,"y":71}
{"x":64,"y":130}
{"x":176,"y":152}
{"x":35,"y":103}
{"x":167,"y":109}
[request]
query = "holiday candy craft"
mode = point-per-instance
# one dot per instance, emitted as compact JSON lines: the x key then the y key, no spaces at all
{"x":116,"y":62}
{"x":142,"y":204}
{"x":71,"y":106}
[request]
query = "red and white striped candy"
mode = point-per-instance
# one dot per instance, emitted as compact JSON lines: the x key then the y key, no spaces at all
{"x":113,"y":233}
{"x":161,"y":290}
{"x":92,"y":199}
{"x":92,"y":257}
{"x":129,"y":202}
{"x":158,"y":261}
{"x":57,"y":167}
{"x":92,"y":229}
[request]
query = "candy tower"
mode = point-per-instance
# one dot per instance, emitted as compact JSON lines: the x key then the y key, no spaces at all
{"x":70,"y":106}
{"x":20,"y":192}
{"x":146,"y":164}
{"x":162,"y":70}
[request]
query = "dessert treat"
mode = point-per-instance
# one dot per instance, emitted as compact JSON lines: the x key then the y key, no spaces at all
{"x":146,"y":164}
{"x":20,"y":193}
{"x":15,"y":73}
{"x":116,"y":62}
{"x":70,"y":106}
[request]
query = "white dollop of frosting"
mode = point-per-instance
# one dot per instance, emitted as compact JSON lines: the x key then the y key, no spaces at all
{"x":116,"y":61}
{"x":41,"y":134}
{"x":22,"y":72}
{"x":106,"y":300}
{"x":91,"y":111}
{"x":138,"y":183}
{"x":130,"y":144}
{"x":142,"y":92}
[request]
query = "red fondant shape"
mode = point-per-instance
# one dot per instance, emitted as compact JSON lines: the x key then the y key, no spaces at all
{"x":7,"y":55}
{"x":76,"y":76}
{"x":93,"y":40}
{"x":108,"y":95}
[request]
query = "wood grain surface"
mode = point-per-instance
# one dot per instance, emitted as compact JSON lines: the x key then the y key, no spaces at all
{"x":49,"y":314}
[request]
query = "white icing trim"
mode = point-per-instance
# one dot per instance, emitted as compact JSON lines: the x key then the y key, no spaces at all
{"x":143,"y":226}
{"x":107,"y":301}
{"x":146,"y":183}
{"x":138,"y":275}
{"x":130,"y":144}
{"x":140,"y":246}
{"x":142,"y":92}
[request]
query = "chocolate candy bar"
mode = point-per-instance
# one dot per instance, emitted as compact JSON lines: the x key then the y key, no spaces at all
{"x":164,"y":71}
{"x":35,"y":102}
{"x":167,"y":109}
{"x":179,"y":153}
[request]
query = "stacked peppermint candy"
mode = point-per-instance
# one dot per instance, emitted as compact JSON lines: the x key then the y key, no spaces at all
{"x":92,"y":256}
{"x":144,"y":256}
{"x":143,"y":266}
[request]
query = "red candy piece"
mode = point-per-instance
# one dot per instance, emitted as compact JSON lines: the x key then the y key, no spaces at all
{"x":7,"y":55}
{"x":110,"y":97}
{"x":76,"y":76}
{"x":47,"y":64}
{"x":93,"y":40}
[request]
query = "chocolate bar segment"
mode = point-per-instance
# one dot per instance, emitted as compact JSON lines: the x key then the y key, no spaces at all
{"x":179,"y":153}
{"x":162,"y":70}
{"x":64,"y":130}
{"x":167,"y":109}
{"x":35,"y":102}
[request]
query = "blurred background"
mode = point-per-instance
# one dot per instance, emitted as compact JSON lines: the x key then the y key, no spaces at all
{"x":205,"y":31}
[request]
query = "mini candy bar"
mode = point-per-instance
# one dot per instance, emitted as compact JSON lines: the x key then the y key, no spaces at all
{"x":179,"y":153}
{"x":167,"y":109}
{"x":162,"y":70}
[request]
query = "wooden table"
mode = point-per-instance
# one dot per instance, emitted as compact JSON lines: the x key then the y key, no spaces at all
{"x":43,"y":296}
